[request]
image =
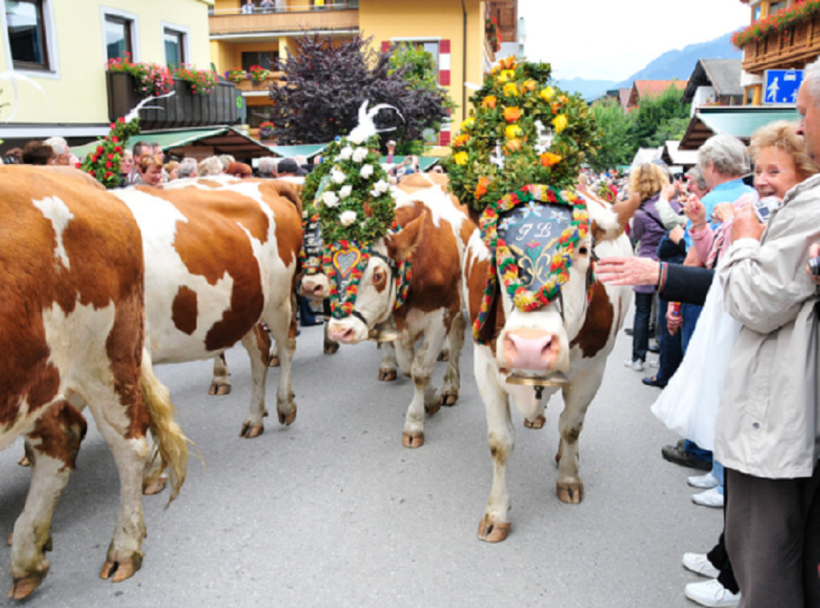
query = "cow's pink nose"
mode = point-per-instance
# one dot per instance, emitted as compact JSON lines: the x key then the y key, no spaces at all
{"x":340,"y":335}
{"x":529,"y":349}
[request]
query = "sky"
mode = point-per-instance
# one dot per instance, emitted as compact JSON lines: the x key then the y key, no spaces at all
{"x":613,"y":39}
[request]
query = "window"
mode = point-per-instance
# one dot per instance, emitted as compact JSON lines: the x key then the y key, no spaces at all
{"x":259,"y":114}
{"x":267,"y":59}
{"x":776,"y":6}
{"x":27,"y":34}
{"x":118,"y":36}
{"x":757,"y":12}
{"x":174,"y":47}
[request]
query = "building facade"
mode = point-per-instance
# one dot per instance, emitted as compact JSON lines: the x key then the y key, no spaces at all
{"x":63,"y":46}
{"x":457,"y":33}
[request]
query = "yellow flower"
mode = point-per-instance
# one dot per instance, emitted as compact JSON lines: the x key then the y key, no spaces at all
{"x":560,"y":123}
{"x":467,"y":124}
{"x":529,"y":85}
{"x":460,"y":141}
{"x":514,"y":145}
{"x":510,"y":89}
{"x":548,"y":159}
{"x":461,"y":158}
{"x":489,"y":102}
{"x":506,"y":75}
{"x":512,"y":114}
{"x":513,"y":131}
{"x":547,"y":94}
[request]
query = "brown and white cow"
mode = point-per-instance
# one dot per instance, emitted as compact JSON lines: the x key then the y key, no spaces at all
{"x":71,"y":283}
{"x":435,"y":232}
{"x":575,"y":341}
{"x":220,"y":256}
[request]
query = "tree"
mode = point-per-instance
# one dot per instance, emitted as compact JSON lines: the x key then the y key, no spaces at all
{"x":662,"y":113}
{"x":326,"y":81}
{"x":617,"y":143}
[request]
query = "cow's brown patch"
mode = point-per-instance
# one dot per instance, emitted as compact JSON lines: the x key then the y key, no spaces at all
{"x":597,"y":325}
{"x":59,"y":434}
{"x":476,"y":283}
{"x":184,"y":310}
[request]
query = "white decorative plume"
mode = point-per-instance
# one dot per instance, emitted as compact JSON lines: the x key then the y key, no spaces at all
{"x":14,"y":78}
{"x":366,"y":127}
{"x":141,"y":106}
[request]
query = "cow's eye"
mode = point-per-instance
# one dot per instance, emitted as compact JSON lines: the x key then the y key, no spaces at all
{"x":377,"y":277}
{"x":583,"y":251}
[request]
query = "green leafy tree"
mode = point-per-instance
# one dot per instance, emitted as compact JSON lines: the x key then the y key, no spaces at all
{"x":663,"y":112}
{"x":618,"y":145}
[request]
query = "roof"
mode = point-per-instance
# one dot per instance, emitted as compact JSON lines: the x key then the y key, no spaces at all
{"x":646,"y":155}
{"x":222,"y":140}
{"x":721,"y":74}
{"x":673,"y":155}
{"x":652,"y":88}
{"x":623,"y":97}
{"x":306,"y":150}
{"x":740,"y":121}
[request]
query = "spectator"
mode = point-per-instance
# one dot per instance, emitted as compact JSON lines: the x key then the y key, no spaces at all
{"x":248,"y":8}
{"x":288,"y":167}
{"x":391,"y":151}
{"x":157,"y":151}
{"x":149,"y":171}
{"x":13,"y":157}
{"x":210,"y":166}
{"x":62,"y":153}
{"x":37,"y":153}
{"x":126,"y":165}
{"x":171,"y":170}
{"x":646,"y":181}
{"x":267,"y":6}
{"x":139,"y":148}
{"x":225,"y":159}
{"x":187,"y":168}
{"x":240,"y":170}
{"x":267,"y":167}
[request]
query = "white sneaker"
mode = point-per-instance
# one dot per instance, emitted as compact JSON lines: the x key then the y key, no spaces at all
{"x":711,"y":593}
{"x":634,"y":364}
{"x":709,"y":498}
{"x":699,"y":564}
{"x":704,"y":482}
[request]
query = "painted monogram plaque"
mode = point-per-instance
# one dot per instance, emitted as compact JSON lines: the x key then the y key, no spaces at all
{"x":313,"y":244}
{"x":531,"y":233}
{"x":344,"y":262}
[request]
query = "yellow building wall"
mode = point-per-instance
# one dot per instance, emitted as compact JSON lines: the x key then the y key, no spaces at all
{"x":77,"y":94}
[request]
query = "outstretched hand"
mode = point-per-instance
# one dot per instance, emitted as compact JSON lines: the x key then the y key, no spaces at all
{"x":628,"y":271}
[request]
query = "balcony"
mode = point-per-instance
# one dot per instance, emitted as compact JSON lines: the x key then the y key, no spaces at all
{"x":792,"y":48}
{"x":237,"y":27}
{"x":249,"y":88}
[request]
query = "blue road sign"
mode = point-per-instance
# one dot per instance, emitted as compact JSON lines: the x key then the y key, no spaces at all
{"x":781,"y":86}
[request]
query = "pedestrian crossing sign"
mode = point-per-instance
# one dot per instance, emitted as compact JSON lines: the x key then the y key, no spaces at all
{"x":781,"y":86}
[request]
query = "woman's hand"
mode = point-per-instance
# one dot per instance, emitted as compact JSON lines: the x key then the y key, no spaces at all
{"x":628,"y":271}
{"x":673,"y":321}
{"x":746,"y":225}
{"x":724,"y":212}
{"x":676,"y":234}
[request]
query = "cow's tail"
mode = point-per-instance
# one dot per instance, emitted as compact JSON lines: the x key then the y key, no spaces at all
{"x":170,"y":443}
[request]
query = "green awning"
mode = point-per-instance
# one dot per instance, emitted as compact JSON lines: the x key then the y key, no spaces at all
{"x":425,"y":162}
{"x":740,"y":121}
{"x":222,"y":139}
{"x":306,"y":150}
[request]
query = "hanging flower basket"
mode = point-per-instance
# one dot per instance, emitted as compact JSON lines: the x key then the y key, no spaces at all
{"x":780,"y":22}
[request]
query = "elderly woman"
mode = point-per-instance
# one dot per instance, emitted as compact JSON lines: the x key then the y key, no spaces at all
{"x":646,"y":182}
{"x":210,"y":166}
{"x":149,"y":171}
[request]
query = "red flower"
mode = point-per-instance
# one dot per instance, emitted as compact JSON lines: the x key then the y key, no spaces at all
{"x":79,"y":165}
{"x":112,"y":125}
{"x":109,"y":165}
{"x":115,"y":139}
{"x":100,"y":150}
{"x":122,"y":119}
{"x":118,"y":149}
{"x":108,"y":174}
{"x":110,"y":157}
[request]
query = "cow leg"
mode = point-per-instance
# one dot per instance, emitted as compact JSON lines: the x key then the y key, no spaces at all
{"x":424,"y":394}
{"x":283,"y":329}
{"x":577,"y":397}
{"x":221,"y":385}
{"x":387,"y":369}
{"x":452,"y":377}
{"x":258,"y":344}
{"x":495,"y":525}
{"x":52,"y":447}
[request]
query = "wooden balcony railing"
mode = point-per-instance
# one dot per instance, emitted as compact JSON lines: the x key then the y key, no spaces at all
{"x":792,"y":48}
{"x":247,"y":86}
{"x":232,"y":24}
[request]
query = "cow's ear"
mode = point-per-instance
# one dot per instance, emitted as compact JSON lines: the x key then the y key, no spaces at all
{"x":605,"y":230}
{"x":403,"y":244}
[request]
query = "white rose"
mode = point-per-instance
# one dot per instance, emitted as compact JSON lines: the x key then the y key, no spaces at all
{"x":355,"y":138}
{"x":330,"y":199}
{"x":367,"y":171}
{"x":345,"y":191}
{"x":360,"y":154}
{"x":381,"y":186}
{"x":346,"y":153}
{"x":338,"y":176}
{"x":347,"y":218}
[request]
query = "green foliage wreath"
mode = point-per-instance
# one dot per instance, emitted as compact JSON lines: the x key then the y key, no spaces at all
{"x":504,"y":124}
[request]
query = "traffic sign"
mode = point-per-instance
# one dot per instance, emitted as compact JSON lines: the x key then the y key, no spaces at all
{"x":781,"y":86}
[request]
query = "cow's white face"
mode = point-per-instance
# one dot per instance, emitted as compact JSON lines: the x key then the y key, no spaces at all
{"x":537,"y":342}
{"x":375,"y":300}
{"x":315,"y":286}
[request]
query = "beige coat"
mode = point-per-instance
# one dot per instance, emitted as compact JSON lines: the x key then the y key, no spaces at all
{"x":767,"y":425}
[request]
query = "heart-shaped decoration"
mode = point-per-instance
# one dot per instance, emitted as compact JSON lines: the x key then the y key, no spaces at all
{"x":345,"y":260}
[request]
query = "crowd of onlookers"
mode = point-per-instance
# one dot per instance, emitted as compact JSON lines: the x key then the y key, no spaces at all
{"x":724,"y":286}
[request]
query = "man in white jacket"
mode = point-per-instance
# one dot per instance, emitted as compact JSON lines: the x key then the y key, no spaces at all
{"x":767,"y":427}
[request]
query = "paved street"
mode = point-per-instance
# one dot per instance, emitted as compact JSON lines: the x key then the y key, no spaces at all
{"x":333,"y":511}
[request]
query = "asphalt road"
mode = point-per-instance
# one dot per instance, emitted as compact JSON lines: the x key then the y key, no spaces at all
{"x":333,"y":511}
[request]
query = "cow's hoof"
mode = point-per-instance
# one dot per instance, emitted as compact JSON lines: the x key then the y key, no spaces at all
{"x":121,"y":569}
{"x":156,"y":486}
{"x":23,"y":587}
{"x":412,"y":441}
{"x":331,"y":348}
{"x":432,"y":409}
{"x":287,"y":419}
{"x":24,"y":461}
{"x":219,"y":389}
{"x":492,"y":532}
{"x":444,"y":355}
{"x":449,"y":399}
{"x":570,"y":493}
{"x":387,"y":375}
{"x":10,"y":539}
{"x":538,"y":423}
{"x":274,"y":361}
{"x":250,"y":430}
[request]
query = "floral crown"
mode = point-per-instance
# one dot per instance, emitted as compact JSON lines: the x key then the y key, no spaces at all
{"x":520,"y":131}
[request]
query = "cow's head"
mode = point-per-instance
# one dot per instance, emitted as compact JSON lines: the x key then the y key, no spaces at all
{"x":367,"y":284}
{"x":541,"y":271}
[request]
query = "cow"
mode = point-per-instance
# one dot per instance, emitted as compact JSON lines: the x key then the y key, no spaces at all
{"x":573,"y":335}
{"x":73,"y":313}
{"x":434,"y":232}
{"x":221,"y":256}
